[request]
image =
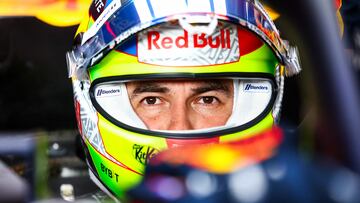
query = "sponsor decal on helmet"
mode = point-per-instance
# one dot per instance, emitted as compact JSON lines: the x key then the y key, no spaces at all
{"x":169,"y":43}
{"x":256,"y":87}
{"x":109,"y":173}
{"x":107,"y":91}
{"x":97,"y":8}
{"x":143,"y":153}
{"x":155,"y":41}
{"x":101,"y":11}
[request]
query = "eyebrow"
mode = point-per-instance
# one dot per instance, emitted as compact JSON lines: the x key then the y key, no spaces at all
{"x":212,"y":86}
{"x":150,"y":87}
{"x":206,"y":86}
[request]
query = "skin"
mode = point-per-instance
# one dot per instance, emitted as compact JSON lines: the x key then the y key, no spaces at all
{"x":182,"y":105}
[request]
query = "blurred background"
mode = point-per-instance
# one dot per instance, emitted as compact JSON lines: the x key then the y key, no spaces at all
{"x":39,"y":148}
{"x":36,"y":103}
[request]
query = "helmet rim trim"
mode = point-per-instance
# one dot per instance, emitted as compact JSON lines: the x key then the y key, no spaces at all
{"x":223,"y":132}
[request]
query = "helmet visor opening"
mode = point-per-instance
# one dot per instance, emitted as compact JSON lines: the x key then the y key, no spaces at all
{"x":184,"y":106}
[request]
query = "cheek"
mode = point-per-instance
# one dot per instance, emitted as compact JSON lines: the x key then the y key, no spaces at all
{"x":156,"y":121}
{"x":215,"y":113}
{"x":151,"y":112}
{"x":209,"y":119}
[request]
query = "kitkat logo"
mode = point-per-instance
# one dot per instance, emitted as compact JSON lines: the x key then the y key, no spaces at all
{"x":155,"y":40}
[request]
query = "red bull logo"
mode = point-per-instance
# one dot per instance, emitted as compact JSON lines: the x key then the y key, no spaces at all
{"x":172,"y":45}
{"x":155,"y":40}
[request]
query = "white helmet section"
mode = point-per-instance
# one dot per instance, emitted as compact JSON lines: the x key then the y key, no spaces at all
{"x":114,"y":100}
{"x":251,"y":97}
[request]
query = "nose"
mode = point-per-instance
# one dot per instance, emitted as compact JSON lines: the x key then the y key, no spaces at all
{"x":180,"y":119}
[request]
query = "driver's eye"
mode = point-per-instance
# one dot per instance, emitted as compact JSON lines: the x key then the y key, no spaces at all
{"x":150,"y":100}
{"x":207,"y":100}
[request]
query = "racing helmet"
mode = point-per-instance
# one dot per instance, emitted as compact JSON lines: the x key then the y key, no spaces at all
{"x":123,"y":41}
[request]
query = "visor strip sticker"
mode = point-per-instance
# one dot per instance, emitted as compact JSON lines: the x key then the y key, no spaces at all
{"x":100,"y":21}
